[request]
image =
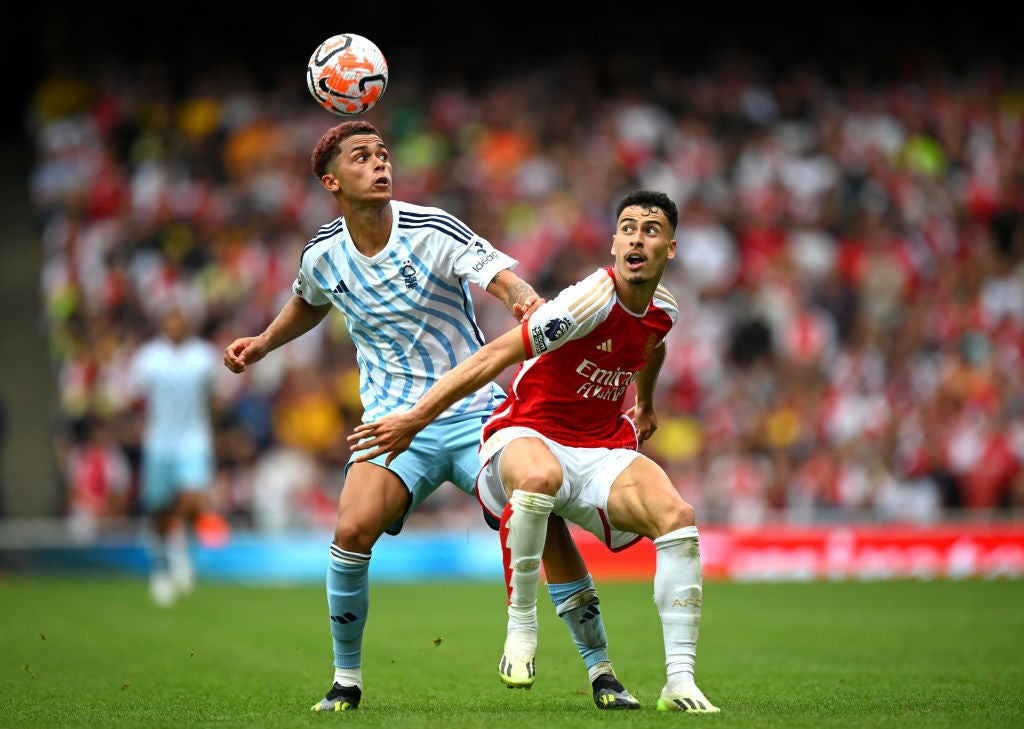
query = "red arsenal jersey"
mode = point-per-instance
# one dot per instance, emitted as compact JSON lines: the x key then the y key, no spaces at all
{"x":586,"y":349}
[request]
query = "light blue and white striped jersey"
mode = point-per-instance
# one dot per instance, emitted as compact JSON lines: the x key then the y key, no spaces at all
{"x":408,"y":308}
{"x":176,"y":383}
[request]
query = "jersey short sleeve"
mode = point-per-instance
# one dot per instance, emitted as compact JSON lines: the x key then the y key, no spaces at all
{"x":572,"y":314}
{"x":479,"y":262}
{"x":301,"y":287}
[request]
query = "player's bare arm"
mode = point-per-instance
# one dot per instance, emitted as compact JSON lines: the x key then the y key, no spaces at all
{"x":642,"y":414}
{"x":295,"y":319}
{"x":517,"y":295}
{"x":392,"y":434}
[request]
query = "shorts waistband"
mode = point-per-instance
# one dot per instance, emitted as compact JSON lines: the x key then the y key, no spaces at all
{"x":501,"y":438}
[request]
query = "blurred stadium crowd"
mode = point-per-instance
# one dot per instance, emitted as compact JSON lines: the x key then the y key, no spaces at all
{"x":850,"y":269}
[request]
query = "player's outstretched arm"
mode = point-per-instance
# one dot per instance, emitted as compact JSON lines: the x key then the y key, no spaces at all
{"x":518,"y":296}
{"x":295,"y":319}
{"x":392,"y":434}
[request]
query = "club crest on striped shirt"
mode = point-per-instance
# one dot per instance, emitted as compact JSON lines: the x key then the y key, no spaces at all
{"x":408,"y":272}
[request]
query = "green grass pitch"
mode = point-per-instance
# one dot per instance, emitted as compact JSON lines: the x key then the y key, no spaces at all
{"x":95,"y":653}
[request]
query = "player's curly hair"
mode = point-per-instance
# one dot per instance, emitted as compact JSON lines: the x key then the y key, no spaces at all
{"x":330,"y":143}
{"x":650,"y":199}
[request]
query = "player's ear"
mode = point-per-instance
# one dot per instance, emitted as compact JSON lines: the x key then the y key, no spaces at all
{"x":671,"y":249}
{"x":330,"y":182}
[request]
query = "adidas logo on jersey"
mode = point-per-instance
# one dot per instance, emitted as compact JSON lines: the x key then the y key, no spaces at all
{"x":605,"y":346}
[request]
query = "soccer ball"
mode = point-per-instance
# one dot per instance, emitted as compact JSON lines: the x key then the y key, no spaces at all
{"x":347,"y":74}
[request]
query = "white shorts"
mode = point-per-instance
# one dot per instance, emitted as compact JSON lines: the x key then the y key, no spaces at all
{"x":582,"y":498}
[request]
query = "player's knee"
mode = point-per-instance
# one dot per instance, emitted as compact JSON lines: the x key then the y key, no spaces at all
{"x":538,"y":479}
{"x":680,"y":514}
{"x":353,"y":536}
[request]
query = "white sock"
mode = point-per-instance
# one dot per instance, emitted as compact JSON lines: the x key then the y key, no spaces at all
{"x":349,"y":677}
{"x":179,"y":559}
{"x":678,"y":593}
{"x":524,"y":531}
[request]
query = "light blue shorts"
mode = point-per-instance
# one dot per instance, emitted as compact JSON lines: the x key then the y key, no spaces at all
{"x":163,"y":478}
{"x":444,"y":451}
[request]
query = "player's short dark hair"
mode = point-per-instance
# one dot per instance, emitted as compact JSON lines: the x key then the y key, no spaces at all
{"x":650,"y":199}
{"x":330,"y":143}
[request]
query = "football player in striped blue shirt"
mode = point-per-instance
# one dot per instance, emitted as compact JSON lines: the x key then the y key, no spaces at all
{"x":172,"y":378}
{"x":400,"y":275}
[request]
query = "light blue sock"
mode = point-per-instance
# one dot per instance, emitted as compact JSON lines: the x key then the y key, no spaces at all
{"x":577,"y":604}
{"x":348,"y":599}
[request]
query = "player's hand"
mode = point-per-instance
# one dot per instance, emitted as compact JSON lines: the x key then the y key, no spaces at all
{"x":244,"y":351}
{"x":523,"y":310}
{"x":392,"y":434}
{"x":644,"y":420}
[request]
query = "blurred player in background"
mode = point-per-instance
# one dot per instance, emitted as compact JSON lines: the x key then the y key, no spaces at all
{"x":562,"y":444}
{"x":98,"y":477}
{"x":400,"y":275}
{"x":172,"y":378}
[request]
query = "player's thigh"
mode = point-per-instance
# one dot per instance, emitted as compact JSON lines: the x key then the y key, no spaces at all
{"x":527,"y":463}
{"x":642,"y":499}
{"x":158,"y":489}
{"x":372,"y":498}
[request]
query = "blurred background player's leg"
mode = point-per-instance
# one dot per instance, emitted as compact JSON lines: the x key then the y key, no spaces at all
{"x":161,"y":583}
{"x":159,"y":501}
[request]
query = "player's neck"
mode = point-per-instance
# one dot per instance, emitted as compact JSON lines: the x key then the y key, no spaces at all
{"x":635,"y":297}
{"x":369,"y":226}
